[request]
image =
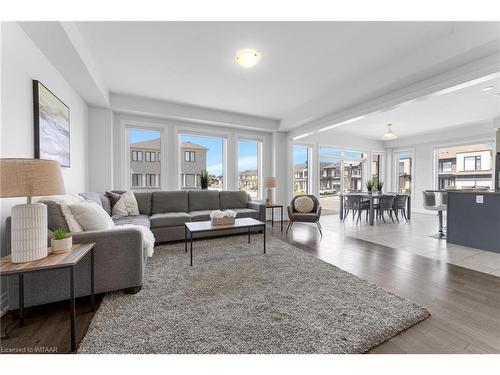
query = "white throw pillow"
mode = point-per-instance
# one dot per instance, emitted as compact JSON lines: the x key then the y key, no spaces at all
{"x":91,"y":216}
{"x":65,"y":201}
{"x":304,"y":204}
{"x":126,"y":205}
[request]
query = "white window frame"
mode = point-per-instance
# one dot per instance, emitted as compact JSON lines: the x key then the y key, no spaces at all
{"x":260,"y":172}
{"x":396,"y":169}
{"x":127,"y":125}
{"x":310,"y":165}
{"x":472,"y":141}
{"x":180,"y":131}
{"x":366,"y":160}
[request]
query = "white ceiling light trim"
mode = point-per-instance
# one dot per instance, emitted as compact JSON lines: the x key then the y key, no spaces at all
{"x":247,"y":57}
{"x":389,"y":135}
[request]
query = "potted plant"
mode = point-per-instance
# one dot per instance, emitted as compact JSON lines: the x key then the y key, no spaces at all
{"x":369,"y":186}
{"x":60,"y":241}
{"x":204,"y":179}
{"x":379,"y":185}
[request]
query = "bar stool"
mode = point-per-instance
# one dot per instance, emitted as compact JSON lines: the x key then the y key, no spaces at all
{"x":433,"y":204}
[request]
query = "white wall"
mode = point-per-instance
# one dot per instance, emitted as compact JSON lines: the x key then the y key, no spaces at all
{"x":21,"y":62}
{"x":423,"y":147}
{"x":101,"y":149}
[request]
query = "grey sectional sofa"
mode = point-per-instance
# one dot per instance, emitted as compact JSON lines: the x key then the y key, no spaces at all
{"x":119,"y":257}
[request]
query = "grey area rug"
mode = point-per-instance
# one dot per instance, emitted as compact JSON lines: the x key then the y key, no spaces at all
{"x":235,"y":299}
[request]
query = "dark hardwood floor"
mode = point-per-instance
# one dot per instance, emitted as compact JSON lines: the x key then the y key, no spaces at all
{"x":465,"y":304}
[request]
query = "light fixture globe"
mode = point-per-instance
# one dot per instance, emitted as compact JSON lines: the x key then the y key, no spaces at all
{"x":389,"y":135}
{"x":247,"y":57}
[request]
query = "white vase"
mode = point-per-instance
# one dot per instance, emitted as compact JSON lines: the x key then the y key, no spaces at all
{"x":61,"y":246}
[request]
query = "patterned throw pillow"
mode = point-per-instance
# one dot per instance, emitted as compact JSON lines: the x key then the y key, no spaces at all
{"x":304,"y":204}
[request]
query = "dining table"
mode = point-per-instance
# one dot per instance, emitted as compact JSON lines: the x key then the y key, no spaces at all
{"x":373,"y":198}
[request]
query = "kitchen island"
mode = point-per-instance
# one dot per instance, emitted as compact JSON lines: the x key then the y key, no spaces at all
{"x":473,"y":219}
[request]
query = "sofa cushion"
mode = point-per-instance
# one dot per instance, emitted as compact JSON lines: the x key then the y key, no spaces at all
{"x":92,"y":196}
{"x":309,"y":216}
{"x":126,"y":205}
{"x":246,"y":212}
{"x":141,"y":220}
{"x":200,"y":215}
{"x":169,"y":201}
{"x":204,"y":200}
{"x":233,"y":199}
{"x":100,"y":198}
{"x":303,"y":204}
{"x":169,"y":219}
{"x":91,"y":216}
{"x":55,"y":217}
{"x":143,"y":201}
{"x":113,"y":197}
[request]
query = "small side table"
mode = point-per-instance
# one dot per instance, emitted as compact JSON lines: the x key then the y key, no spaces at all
{"x":272,"y":207}
{"x":68,"y":259}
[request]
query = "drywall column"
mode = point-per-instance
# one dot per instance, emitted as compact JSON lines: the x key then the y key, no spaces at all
{"x":100,"y":149}
{"x":231,"y":172}
{"x":281,"y":160}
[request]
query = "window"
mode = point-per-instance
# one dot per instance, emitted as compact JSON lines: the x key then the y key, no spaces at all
{"x":136,"y":180}
{"x":404,"y":172}
{"x":339,"y":171}
{"x":201,"y":153}
{"x":472,"y":163}
{"x":149,"y":156}
{"x":190,"y":156}
{"x":151,"y":180}
{"x":136,"y":155}
{"x":300,"y":169}
{"x":143,"y":144}
{"x":189,"y":180}
{"x":248,"y":167}
{"x":158,"y":157}
{"x":446,"y":166}
{"x":376,"y":167}
{"x":465,"y":165}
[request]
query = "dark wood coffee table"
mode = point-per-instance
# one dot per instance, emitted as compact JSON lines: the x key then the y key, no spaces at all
{"x":53,"y":261}
{"x":206,"y":226}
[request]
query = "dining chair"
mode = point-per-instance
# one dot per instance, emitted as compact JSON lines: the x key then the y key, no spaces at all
{"x":400,"y":206}
{"x":386,"y":204}
{"x":357,"y":204}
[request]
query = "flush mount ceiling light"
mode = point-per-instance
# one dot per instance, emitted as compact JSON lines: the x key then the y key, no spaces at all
{"x":247,"y":57}
{"x":488,"y":88}
{"x":389,"y":135}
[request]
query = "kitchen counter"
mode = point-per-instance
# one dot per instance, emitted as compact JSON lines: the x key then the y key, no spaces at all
{"x":473,"y":219}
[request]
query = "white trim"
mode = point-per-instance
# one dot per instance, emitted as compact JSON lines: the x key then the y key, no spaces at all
{"x":180,"y":131}
{"x":260,"y":165}
{"x":472,"y":141}
{"x":395,"y":182}
{"x":125,"y":126}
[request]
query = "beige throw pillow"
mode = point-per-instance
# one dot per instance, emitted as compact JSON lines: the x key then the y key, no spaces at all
{"x":126,"y":205}
{"x":304,"y":204}
{"x":91,"y":216}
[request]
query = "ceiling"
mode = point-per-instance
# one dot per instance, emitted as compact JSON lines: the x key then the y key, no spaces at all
{"x":311,"y":75}
{"x":463,"y":105}
{"x":193,"y":62}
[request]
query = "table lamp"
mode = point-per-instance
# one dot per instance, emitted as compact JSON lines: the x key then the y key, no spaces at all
{"x":269,"y":184}
{"x":29,"y":178}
